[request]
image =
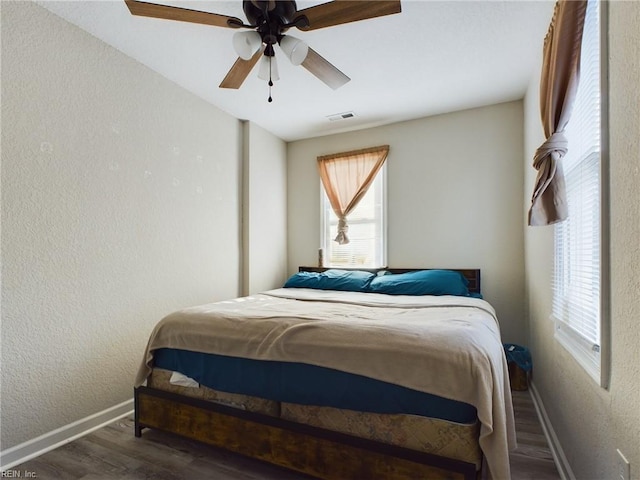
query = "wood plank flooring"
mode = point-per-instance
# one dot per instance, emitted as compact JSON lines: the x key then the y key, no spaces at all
{"x":114,"y":453}
{"x":532,"y":460}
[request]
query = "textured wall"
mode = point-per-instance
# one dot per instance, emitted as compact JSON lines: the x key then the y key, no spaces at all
{"x":120,"y":203}
{"x":265,"y":200}
{"x":454,"y":186}
{"x":625,"y":227}
{"x":591,"y":422}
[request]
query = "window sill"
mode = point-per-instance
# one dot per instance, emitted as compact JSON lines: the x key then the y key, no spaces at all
{"x":579,"y":349}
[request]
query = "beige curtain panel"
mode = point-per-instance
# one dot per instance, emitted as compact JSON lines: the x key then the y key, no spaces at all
{"x":346,"y":177}
{"x":558,"y":87}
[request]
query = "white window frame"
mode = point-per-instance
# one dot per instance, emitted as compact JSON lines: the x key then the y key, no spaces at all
{"x":589,"y":348}
{"x":328,"y":229}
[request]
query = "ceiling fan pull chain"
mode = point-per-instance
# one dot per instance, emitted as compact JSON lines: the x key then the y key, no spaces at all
{"x":270,"y":81}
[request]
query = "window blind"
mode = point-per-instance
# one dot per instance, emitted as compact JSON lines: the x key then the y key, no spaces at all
{"x":366,"y":230}
{"x":577,"y":266}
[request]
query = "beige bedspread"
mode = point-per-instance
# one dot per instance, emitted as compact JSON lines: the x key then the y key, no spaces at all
{"x":448,"y":346}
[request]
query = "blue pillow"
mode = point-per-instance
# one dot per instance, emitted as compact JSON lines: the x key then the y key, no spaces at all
{"x":344,"y":280}
{"x":421,"y":282}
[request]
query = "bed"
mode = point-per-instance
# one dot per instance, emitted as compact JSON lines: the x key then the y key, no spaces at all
{"x":351,"y":379}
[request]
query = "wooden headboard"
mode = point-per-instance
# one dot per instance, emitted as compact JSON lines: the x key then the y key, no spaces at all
{"x":471,"y":274}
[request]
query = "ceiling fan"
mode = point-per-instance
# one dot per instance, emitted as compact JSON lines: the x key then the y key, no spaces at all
{"x":268,"y":22}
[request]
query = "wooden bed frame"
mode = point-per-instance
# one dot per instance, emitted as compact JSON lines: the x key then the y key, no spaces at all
{"x":310,"y":450}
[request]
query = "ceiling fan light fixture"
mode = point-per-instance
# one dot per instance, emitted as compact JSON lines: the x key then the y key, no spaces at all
{"x":246,"y":44}
{"x":268,"y":68}
{"x":295,"y":49}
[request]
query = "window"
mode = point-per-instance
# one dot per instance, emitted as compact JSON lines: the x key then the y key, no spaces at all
{"x":580,"y":296}
{"x":367,"y":230}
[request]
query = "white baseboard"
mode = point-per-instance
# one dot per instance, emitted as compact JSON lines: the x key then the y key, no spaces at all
{"x":44,"y":443}
{"x":564,"y":469}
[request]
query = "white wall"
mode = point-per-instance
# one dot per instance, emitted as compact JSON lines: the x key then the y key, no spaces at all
{"x":454,"y":199}
{"x":591,"y":422}
{"x":120,"y":203}
{"x":265,"y":200}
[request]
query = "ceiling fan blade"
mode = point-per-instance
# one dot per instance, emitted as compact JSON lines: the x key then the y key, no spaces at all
{"x":240,"y":70}
{"x":346,"y":11}
{"x":167,"y":12}
{"x":324,"y":70}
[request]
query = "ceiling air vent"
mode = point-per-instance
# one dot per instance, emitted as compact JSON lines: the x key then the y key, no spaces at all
{"x":341,"y":116}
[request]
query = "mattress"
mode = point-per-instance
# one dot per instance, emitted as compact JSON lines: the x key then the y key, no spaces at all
{"x":430,"y":435}
{"x":309,"y":385}
{"x":161,"y":379}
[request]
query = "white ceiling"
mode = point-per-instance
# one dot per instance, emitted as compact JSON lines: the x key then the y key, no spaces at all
{"x":434,"y":57}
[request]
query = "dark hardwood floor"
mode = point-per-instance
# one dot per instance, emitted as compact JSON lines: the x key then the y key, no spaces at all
{"x":114,"y":453}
